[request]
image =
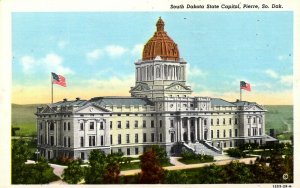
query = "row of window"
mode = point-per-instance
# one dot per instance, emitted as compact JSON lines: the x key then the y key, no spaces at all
{"x":254,"y":131}
{"x":67,"y":126}
{"x":224,"y":133}
{"x":224,"y":121}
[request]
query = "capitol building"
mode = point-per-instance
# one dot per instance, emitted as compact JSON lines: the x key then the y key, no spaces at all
{"x":160,"y":111}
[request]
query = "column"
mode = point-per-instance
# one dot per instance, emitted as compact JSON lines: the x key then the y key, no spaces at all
{"x":208,"y":132}
{"x":85,"y":139}
{"x":97,"y":136}
{"x":202,"y":129}
{"x":106,"y":133}
{"x":47,"y":132}
{"x":181,"y":130}
{"x":196,"y":130}
{"x":188,"y":130}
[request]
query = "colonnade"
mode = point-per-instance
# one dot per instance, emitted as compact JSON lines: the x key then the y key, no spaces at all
{"x":160,"y":72}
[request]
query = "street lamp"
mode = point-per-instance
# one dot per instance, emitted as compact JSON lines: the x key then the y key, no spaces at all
{"x":37,"y":154}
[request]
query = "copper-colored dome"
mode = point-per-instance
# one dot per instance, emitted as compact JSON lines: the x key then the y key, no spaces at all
{"x":160,"y":45}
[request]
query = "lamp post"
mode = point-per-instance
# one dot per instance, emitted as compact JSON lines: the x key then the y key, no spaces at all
{"x":37,"y":154}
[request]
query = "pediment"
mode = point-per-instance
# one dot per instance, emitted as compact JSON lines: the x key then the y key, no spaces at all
{"x":47,"y":110}
{"x":141,"y":87}
{"x":254,"y":108}
{"x":91,"y":108}
{"x":177,"y":87}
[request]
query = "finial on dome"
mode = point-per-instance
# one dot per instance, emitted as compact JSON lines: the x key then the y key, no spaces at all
{"x":160,"y":24}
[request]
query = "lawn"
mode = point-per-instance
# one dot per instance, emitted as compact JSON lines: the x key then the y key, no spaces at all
{"x":195,"y":161}
{"x":136,"y":165}
{"x":24,"y":118}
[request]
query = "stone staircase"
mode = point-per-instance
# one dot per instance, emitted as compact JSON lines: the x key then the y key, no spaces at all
{"x":205,"y":148}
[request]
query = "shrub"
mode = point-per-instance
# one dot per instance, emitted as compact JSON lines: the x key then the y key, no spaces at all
{"x":235,"y":152}
{"x":74,"y":173}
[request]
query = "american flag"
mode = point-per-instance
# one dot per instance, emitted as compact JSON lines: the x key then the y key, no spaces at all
{"x":58,"y":79}
{"x":245,"y":86}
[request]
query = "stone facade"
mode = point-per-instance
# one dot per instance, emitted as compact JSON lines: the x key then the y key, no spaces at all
{"x":160,"y":111}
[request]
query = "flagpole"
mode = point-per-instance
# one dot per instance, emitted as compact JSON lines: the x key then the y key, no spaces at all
{"x":51,"y":90}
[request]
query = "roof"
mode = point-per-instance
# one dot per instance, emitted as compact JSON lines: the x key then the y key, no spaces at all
{"x":220,"y":102}
{"x":103,"y":101}
{"x":243,"y":103}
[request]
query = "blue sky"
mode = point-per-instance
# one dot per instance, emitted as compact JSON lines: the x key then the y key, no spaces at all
{"x":96,"y":53}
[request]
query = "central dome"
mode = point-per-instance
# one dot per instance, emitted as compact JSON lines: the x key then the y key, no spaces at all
{"x":160,"y":45}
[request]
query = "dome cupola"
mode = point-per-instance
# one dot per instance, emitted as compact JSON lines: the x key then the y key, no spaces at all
{"x":160,"y":44}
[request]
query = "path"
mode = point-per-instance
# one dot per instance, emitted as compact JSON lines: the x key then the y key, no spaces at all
{"x":182,"y":167}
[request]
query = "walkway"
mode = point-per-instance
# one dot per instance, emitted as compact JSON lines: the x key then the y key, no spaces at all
{"x":182,"y":167}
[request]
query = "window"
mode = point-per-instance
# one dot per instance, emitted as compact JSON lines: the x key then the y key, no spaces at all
{"x":172,"y":123}
{"x":110,"y":124}
{"x":212,"y":133}
{"x":218,"y":133}
{"x":41,"y":139}
{"x":92,"y":141}
{"x":119,"y":150}
{"x":52,"y":140}
{"x":218,"y":121}
{"x":128,"y":151}
{"x":224,"y":133}
{"x":259,"y":131}
{"x":230,"y":144}
{"x":111,"y":139}
{"x":69,"y":141}
{"x":172,"y":137}
{"x":152,"y":123}
{"x":223,"y":121}
{"x":82,"y":155}
{"x":69,"y":126}
{"x":136,"y":124}
{"x":224,"y":144}
{"x":249,"y":131}
{"x":91,"y":125}
{"x":249,"y":120}
{"x":81,"y":126}
{"x":211,"y":122}
{"x":51,"y":126}
{"x":235,"y":132}
{"x":101,"y":125}
{"x":144,"y":124}
{"x":127,"y":138}
{"x":119,"y":125}
{"x":136,"y":151}
{"x":230,"y":133}
{"x":127,"y":125}
{"x":144,"y":137}
{"x":136,"y":138}
{"x":65,"y":126}
{"x":260,"y":120}
{"x":235,"y":121}
{"x":119,"y":139}
{"x":65,"y":141}
{"x":160,"y":123}
{"x":81,"y":142}
{"x":205,"y":122}
{"x":160,"y":137}
{"x":152,"y":137}
{"x":101,"y":140}
{"x":229,"y":121}
{"x":254,"y":120}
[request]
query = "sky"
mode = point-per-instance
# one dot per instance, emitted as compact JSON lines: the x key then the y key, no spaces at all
{"x":96,"y":52}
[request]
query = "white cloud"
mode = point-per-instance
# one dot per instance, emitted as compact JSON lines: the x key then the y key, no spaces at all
{"x":194,"y":71}
{"x":271,"y":73}
{"x":115,"y":50}
{"x":62,"y":44}
{"x":27,"y":64}
{"x":94,"y":54}
{"x":50,"y":62}
{"x":137,"y":49}
{"x":287,"y":80}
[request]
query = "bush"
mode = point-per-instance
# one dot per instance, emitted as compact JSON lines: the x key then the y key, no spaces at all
{"x":235,"y":152}
{"x":190,"y":157}
{"x":160,"y":153}
{"x":74,"y":173}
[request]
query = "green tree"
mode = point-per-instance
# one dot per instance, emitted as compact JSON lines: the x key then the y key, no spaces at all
{"x":94,"y":172}
{"x":74,"y":173}
{"x":151,"y":172}
{"x":161,"y":154}
{"x":175,"y":177}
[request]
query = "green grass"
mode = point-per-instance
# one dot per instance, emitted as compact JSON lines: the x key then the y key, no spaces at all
{"x":279,"y":117}
{"x":24,"y":118}
{"x":136,"y":165}
{"x":194,"y":161}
